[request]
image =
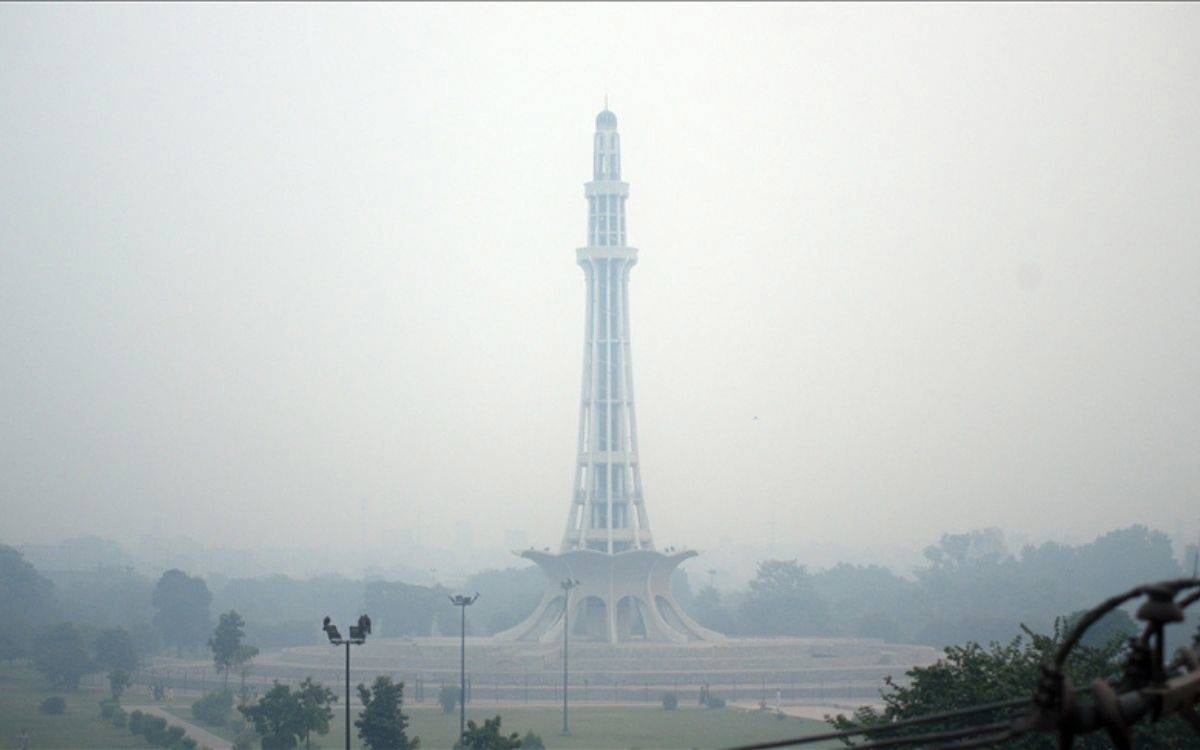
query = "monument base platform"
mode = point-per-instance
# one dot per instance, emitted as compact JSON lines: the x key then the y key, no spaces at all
{"x":512,"y":672}
{"x":618,"y":598}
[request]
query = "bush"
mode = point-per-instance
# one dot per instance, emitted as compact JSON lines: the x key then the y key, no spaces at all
{"x":154,"y":729}
{"x":670,"y":701}
{"x":108,"y":707}
{"x":174,"y":736}
{"x":120,"y":718}
{"x":448,"y":697}
{"x":213,"y":708}
{"x":532,"y":741}
{"x":714,"y":701}
{"x":135,"y":722}
{"x":55,"y":704}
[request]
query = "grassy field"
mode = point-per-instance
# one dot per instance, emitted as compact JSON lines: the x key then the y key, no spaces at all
{"x":593,"y":728}
{"x":21,"y":690}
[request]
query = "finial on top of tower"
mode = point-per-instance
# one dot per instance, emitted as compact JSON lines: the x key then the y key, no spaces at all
{"x":606,"y":120}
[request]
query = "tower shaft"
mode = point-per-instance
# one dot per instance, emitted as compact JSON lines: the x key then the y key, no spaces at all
{"x":607,"y":510}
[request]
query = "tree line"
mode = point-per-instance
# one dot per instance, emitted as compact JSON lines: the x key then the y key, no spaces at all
{"x":971,"y":587}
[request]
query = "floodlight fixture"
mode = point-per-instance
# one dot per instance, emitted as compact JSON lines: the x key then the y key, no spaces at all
{"x":358,"y":636}
{"x":462,"y":602}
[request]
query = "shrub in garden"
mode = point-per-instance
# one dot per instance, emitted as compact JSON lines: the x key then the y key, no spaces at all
{"x":55,"y":704}
{"x":532,"y":741}
{"x":714,"y":701}
{"x":154,"y":729}
{"x":214,"y":708}
{"x":120,"y":718}
{"x":135,"y":722}
{"x":174,"y":736}
{"x":670,"y":701}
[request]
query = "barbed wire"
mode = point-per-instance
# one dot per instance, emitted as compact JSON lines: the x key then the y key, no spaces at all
{"x":1148,"y":687}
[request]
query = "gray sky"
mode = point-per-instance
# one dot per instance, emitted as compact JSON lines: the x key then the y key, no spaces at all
{"x":261,"y":263}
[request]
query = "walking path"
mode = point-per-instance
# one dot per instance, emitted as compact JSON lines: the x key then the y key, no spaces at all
{"x":202,"y":736}
{"x":816,"y":711}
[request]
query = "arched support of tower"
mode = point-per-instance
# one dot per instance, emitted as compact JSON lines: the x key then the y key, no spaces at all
{"x":640,"y":576}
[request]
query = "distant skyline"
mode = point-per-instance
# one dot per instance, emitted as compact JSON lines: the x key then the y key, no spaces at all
{"x":300,"y":276}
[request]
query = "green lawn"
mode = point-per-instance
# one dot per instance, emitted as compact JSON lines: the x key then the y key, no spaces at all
{"x":595,"y":728}
{"x":22,"y":689}
{"x":592,"y":728}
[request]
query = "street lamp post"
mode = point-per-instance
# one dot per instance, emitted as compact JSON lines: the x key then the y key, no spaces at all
{"x":567,"y":585}
{"x":358,"y":636}
{"x":463,"y":602}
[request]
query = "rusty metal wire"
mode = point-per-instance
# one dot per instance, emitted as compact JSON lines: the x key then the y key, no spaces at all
{"x":1150,"y":687}
{"x":890,"y":726}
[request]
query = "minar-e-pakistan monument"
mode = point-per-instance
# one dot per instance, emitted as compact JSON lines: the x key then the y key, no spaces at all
{"x":624,"y":589}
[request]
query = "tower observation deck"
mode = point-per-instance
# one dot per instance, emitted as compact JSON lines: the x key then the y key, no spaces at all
{"x":624,"y":591}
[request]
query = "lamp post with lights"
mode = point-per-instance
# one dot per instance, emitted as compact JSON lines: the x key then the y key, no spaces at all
{"x":462,"y":602}
{"x":358,"y":636}
{"x":567,"y":585}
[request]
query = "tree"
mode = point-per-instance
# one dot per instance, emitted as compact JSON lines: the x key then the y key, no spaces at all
{"x":26,"y":600}
{"x":115,"y":654}
{"x":213,"y":708}
{"x":710,"y":611}
{"x":315,"y":708}
{"x":512,"y":594}
{"x":783,"y":601}
{"x":226,"y":641}
{"x":277,"y":717}
{"x":61,"y":655}
{"x":532,"y":741}
{"x":403,"y":608}
{"x":382,"y":725}
{"x":25,"y":595}
{"x":241,"y":659}
{"x":487,"y":737}
{"x":182,"y":605}
{"x":14,"y":640}
{"x":972,"y":674}
{"x":1117,"y":625}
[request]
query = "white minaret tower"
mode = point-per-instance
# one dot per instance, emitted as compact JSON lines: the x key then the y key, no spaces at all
{"x":607,"y":512}
{"x":624,"y":591}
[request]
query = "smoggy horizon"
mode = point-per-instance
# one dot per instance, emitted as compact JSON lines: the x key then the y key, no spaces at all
{"x":304,"y":277}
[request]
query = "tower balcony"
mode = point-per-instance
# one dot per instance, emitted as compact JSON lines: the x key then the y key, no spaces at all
{"x":606,"y":187}
{"x":605,"y":252}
